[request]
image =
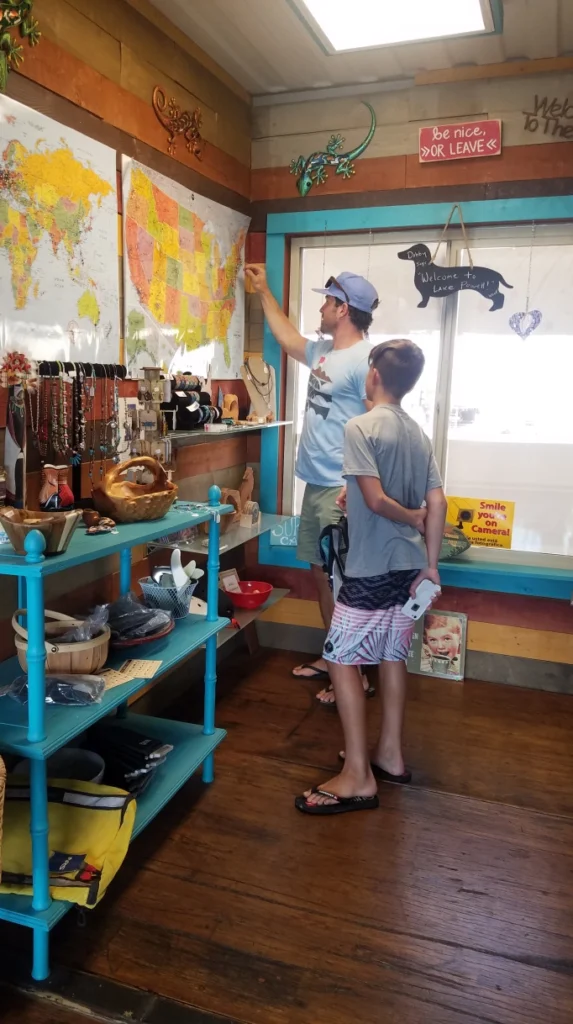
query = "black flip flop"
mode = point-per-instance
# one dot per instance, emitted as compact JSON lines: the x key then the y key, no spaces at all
{"x":384,"y":776}
{"x":342,"y":806}
{"x":317,"y":673}
{"x":370,"y":693}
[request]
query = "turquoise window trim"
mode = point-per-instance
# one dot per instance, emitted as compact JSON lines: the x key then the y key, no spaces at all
{"x":500,"y":578}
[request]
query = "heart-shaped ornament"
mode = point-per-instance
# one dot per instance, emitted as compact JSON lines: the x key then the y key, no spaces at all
{"x":524,"y":323}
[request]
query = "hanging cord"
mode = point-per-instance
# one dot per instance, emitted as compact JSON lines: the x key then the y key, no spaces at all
{"x":455,"y":207}
{"x":528,"y":293}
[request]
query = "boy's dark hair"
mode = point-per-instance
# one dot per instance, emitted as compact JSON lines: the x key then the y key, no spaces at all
{"x":358,"y":318}
{"x":400,"y":364}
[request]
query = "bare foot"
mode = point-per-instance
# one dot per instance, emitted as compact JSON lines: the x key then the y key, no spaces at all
{"x":345,"y":784}
{"x":311,"y":670}
{"x":326,"y":696}
{"x":393,"y":764}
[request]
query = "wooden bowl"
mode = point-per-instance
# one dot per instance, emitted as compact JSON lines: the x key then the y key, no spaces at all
{"x":127,"y":502}
{"x":57,"y":528}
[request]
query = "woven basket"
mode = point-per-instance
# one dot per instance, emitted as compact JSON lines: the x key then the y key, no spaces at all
{"x":128,"y":502}
{"x":87,"y":656}
{"x":2,"y":791}
{"x":169,"y":599}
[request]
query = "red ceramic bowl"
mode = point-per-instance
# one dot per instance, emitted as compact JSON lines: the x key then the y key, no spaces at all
{"x":252,"y":594}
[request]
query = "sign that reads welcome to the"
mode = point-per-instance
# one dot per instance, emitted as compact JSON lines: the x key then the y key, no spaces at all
{"x":459,"y":141}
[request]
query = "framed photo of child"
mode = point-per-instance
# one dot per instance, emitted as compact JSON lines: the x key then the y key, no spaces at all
{"x":439,"y":645}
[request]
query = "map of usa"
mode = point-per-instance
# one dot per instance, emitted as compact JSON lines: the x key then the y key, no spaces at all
{"x":58,"y":227}
{"x":183,"y":276}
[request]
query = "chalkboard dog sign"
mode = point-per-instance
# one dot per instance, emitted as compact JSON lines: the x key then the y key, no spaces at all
{"x":435,"y":282}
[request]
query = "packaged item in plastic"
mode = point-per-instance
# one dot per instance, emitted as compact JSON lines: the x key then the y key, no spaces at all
{"x":60,"y":689}
{"x":129,"y":619}
{"x":90,"y":627}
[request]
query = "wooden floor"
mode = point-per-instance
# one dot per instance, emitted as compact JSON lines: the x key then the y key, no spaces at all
{"x":452,"y":904}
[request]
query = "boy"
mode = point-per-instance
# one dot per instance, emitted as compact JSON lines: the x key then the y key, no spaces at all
{"x":390,"y":470}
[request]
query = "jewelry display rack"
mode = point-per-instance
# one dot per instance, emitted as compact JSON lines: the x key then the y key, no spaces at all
{"x":36,"y":730}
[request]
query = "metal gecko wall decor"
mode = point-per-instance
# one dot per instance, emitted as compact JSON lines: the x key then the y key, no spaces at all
{"x":313,"y":170}
{"x":15,"y":15}
{"x":179,"y":122}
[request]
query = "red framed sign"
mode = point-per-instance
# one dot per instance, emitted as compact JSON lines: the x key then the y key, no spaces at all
{"x":462,"y":141}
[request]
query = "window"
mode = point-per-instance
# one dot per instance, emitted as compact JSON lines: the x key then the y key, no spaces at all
{"x":496,"y":405}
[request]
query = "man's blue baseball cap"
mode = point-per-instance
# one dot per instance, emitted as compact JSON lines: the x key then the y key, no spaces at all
{"x":353,"y":289}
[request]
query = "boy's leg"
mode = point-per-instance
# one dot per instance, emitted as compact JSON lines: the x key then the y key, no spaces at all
{"x":356,"y":778}
{"x":393,"y":683}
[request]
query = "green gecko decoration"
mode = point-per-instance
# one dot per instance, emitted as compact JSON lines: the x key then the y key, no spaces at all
{"x":15,"y":15}
{"x":313,"y":170}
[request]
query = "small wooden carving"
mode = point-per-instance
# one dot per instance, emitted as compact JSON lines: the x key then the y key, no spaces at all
{"x":179,"y":122}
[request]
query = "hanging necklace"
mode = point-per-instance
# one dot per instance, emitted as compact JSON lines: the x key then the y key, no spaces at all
{"x":103,"y":424}
{"x":262,"y":387}
{"x":34,"y":426}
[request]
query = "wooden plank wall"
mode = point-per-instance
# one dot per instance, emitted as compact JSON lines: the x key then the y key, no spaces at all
{"x":106,"y":58}
{"x":284,"y":131}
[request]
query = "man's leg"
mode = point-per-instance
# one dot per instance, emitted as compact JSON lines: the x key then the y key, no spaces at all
{"x":318,"y":510}
{"x":356,"y":778}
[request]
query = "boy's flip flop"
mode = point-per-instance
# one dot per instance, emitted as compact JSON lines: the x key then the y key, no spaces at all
{"x":314,"y":672}
{"x":384,"y":776}
{"x":341,"y":806}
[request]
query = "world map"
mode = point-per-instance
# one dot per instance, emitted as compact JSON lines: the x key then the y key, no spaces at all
{"x":58,"y":238}
{"x":183,"y":277}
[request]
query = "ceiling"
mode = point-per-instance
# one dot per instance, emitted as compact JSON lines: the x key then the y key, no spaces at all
{"x":264,"y":45}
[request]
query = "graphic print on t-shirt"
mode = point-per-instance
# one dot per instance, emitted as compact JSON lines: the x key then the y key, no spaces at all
{"x":319,"y":395}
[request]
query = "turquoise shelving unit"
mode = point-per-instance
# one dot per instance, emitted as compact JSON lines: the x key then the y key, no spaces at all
{"x":37,"y":730}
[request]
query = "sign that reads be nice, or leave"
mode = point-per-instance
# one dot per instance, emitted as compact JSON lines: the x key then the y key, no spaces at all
{"x":462,"y":141}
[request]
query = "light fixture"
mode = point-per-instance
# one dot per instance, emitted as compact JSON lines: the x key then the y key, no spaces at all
{"x":365,"y":24}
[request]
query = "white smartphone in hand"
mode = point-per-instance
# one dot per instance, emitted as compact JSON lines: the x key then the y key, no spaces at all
{"x":426,"y":592}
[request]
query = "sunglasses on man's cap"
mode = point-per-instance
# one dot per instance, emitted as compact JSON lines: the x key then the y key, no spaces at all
{"x":334,"y":281}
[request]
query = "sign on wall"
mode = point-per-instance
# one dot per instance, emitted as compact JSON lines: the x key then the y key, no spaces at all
{"x":462,"y":141}
{"x":486,"y":522}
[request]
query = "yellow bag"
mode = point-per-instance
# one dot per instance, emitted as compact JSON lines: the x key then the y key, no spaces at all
{"x":90,"y":829}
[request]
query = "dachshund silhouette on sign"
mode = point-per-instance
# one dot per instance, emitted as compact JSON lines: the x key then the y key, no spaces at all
{"x":435,"y":282}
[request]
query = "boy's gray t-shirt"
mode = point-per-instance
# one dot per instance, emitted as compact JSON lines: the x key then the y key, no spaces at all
{"x":388,"y":444}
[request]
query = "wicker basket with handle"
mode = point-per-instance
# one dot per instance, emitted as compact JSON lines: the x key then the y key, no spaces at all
{"x":2,"y":791}
{"x":128,"y":502}
{"x":86,"y":656}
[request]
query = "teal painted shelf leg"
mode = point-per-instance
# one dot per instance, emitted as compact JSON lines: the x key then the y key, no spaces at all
{"x":211,"y":645}
{"x":40,"y":957}
{"x":124,"y":588}
{"x":21,"y":596}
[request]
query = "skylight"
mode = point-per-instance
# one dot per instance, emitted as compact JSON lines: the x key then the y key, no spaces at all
{"x":362,"y":24}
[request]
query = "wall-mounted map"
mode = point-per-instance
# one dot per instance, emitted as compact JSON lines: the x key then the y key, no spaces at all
{"x":59,"y":288}
{"x":184,"y":284}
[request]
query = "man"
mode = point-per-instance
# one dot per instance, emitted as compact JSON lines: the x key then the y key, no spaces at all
{"x":389,"y":468}
{"x":336,"y":393}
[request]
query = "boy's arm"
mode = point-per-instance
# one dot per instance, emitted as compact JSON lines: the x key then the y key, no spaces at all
{"x":379,"y":502}
{"x":435,"y":521}
{"x":285,"y":333}
{"x":359,"y":462}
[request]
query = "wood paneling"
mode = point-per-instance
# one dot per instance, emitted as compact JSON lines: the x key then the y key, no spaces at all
{"x":509,"y":69}
{"x":121,"y":21}
{"x":488,"y":637}
{"x":60,"y":72}
{"x":554,"y":160}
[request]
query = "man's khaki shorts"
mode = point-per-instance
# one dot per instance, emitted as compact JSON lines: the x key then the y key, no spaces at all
{"x":319,"y":509}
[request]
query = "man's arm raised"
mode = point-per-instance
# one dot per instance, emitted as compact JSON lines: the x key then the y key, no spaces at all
{"x":285,"y":333}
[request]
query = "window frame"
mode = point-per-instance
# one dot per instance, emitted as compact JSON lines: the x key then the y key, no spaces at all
{"x":286,"y":234}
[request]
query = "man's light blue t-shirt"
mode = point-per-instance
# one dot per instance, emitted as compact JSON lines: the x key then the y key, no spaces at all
{"x":336,"y":393}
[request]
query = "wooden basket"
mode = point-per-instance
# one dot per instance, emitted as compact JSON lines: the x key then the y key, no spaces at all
{"x":57,"y":528}
{"x":128,"y":502}
{"x":86,"y":657}
{"x":2,"y":791}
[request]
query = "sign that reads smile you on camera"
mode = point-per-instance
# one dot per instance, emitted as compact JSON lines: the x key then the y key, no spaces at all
{"x":461,"y":141}
{"x":486,"y":522}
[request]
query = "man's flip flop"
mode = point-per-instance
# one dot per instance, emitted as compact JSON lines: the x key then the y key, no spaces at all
{"x":342,"y":805}
{"x":384,"y":776}
{"x":370,"y":692}
{"x":314,"y":674}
